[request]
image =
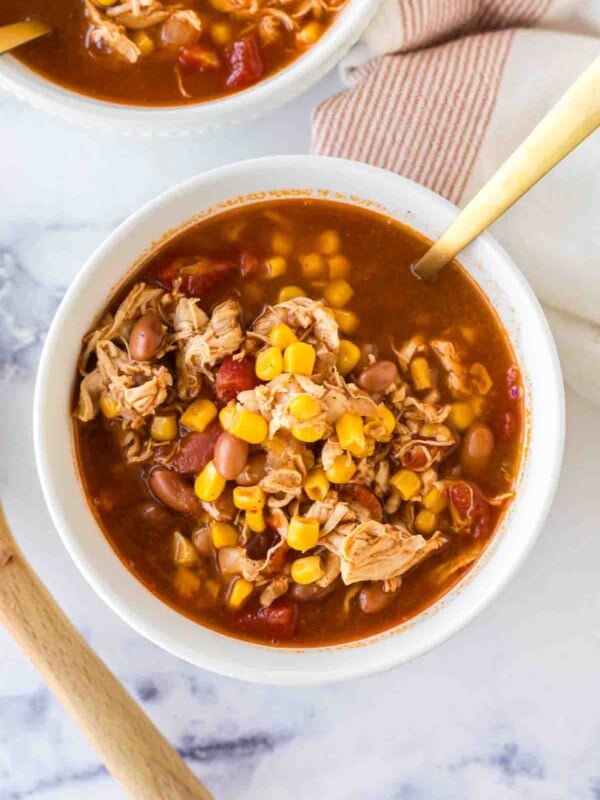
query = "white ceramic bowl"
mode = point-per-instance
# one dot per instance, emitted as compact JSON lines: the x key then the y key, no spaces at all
{"x":160,"y":120}
{"x":252,"y":181}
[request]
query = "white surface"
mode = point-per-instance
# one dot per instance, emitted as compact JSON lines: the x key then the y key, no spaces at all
{"x":358,"y":185}
{"x":505,"y":710}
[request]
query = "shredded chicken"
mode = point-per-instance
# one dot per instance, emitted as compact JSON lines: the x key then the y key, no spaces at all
{"x":110,"y":36}
{"x":288,"y":462}
{"x":373,"y":551}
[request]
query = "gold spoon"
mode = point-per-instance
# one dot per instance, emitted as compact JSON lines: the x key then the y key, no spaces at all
{"x":574,"y":117}
{"x":128,"y":743}
{"x":18,"y":33}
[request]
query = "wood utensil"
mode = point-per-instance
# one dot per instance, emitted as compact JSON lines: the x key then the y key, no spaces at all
{"x":18,"y":33}
{"x":574,"y":117}
{"x":128,"y":743}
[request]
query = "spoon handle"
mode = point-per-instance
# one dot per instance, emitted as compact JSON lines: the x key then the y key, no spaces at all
{"x":128,"y":743}
{"x":574,"y":117}
{"x":18,"y":33}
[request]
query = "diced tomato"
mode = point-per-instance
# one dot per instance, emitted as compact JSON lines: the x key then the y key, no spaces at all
{"x":249,"y":263}
{"x":199,"y":58}
{"x":277,"y":622}
{"x":204,"y":275}
{"x":196,"y":450}
{"x":233,"y":377}
{"x":164,"y":274}
{"x":278,"y":559}
{"x":365,"y":497}
{"x":198,"y":277}
{"x":470,"y":510}
{"x":245,"y":62}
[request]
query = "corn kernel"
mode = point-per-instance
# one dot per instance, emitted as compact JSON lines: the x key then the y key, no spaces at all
{"x":310,"y":33}
{"x":212,"y":588}
{"x":435,"y":430}
{"x":316,"y":484}
{"x":282,"y":335}
{"x":329,"y":243}
{"x":209,"y":485}
{"x":221,"y":33}
{"x":224,"y":6}
{"x":339,"y":267}
{"x":307,"y":570}
{"x":248,"y":498}
{"x":223,"y":534}
{"x":435,"y":500}
{"x":381,"y":425}
{"x":351,"y":435}
{"x":342,"y":469}
{"x":143,"y":42}
{"x":461,"y":415}
{"x":476,"y":404}
{"x":108,"y":407}
{"x":276,"y":266}
{"x":164,"y":428}
{"x":299,"y":358}
{"x":304,"y":406}
{"x":244,"y":424}
{"x":184,"y":551}
{"x":347,"y":320}
{"x":282,"y":243}
{"x":406,"y":482}
{"x":313,"y":265}
{"x":199,"y":414}
{"x":338,"y":293}
{"x":239,"y":593}
{"x":420,"y":373}
{"x":480,"y":378}
{"x":255,"y":520}
{"x":302,"y":533}
{"x":269,"y":364}
{"x":425,"y":521}
{"x":289,"y":293}
{"x":104,"y":3}
{"x":186,"y":583}
{"x":348,"y":357}
{"x":308,"y":433}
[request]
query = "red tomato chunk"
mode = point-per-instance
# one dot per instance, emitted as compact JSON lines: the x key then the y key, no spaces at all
{"x":234,"y":377}
{"x":196,"y":57}
{"x":277,"y":622}
{"x":246,"y":65}
{"x":196,"y":450}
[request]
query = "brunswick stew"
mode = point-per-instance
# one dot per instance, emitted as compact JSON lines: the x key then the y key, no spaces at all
{"x":290,"y":438}
{"x":155,"y":52}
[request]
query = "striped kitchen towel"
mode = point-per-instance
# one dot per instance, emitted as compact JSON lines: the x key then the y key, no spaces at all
{"x":442,"y":91}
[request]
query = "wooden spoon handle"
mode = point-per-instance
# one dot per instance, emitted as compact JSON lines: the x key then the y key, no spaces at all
{"x":128,"y":743}
{"x":567,"y":124}
{"x":18,"y":33}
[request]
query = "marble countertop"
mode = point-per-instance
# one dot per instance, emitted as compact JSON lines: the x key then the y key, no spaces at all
{"x":506,"y":710}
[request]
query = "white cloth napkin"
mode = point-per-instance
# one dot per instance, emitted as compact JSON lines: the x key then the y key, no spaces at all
{"x":455,"y":87}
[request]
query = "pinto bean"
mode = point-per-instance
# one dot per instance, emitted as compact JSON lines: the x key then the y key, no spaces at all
{"x":231,"y":455}
{"x":477,"y":448}
{"x":372,"y":599}
{"x":202,"y":541}
{"x":310,"y":591}
{"x":146,"y":337}
{"x":174,"y":491}
{"x":378,"y":376}
{"x":254,"y":471}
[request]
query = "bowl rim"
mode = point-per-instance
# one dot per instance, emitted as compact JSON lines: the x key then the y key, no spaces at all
{"x":248,"y":104}
{"x":287,"y":671}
